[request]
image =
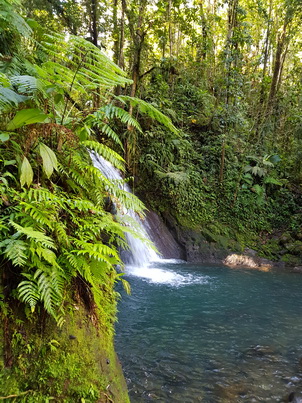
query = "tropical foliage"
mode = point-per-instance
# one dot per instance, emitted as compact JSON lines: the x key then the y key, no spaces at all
{"x":55,"y":231}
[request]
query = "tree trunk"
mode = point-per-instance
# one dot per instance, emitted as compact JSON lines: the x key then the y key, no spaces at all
{"x":94,"y":25}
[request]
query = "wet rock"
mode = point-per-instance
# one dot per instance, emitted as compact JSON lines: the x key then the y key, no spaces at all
{"x":250,"y":252}
{"x":293,"y":397}
{"x":297,"y":269}
{"x":260,"y":351}
{"x":250,"y":262}
{"x":232,"y":392}
{"x":163,"y":237}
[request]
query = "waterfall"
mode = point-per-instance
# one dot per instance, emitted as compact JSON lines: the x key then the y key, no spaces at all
{"x":140,"y":254}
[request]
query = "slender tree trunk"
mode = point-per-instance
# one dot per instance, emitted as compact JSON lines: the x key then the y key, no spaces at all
{"x":121,"y":60}
{"x":277,"y":70}
{"x":94,"y":25}
{"x":115,"y":33}
{"x":170,"y":28}
{"x":201,"y":53}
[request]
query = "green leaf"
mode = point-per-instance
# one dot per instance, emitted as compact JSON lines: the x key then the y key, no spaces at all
{"x":4,"y":137}
{"x":274,"y":158}
{"x":258,"y":190}
{"x":26,"y":117}
{"x":9,"y":98}
{"x":27,"y":174}
{"x":273,"y":181}
{"x":49,"y":158}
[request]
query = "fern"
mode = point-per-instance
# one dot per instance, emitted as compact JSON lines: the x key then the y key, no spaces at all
{"x":150,"y":110}
{"x":29,"y":293}
{"x":106,"y":129}
{"x":15,"y":250}
{"x":43,"y":217}
{"x":96,"y":251}
{"x":112,"y":111}
{"x":93,"y":68}
{"x":43,"y":287}
{"x":105,"y":152}
{"x":28,"y":85}
{"x":9,"y":98}
{"x":37,"y":236}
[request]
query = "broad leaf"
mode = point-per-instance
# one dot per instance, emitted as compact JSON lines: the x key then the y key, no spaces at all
{"x":49,"y":158}
{"x":26,"y":117}
{"x":4,"y":137}
{"x":26,"y":176}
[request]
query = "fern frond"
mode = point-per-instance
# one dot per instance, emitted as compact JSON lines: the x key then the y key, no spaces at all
{"x":150,"y":110}
{"x":93,"y":68}
{"x":15,"y":251}
{"x":43,"y":217}
{"x":28,"y":85}
{"x":112,"y":111}
{"x":9,"y":17}
{"x":126,"y":285}
{"x":49,"y":287}
{"x":39,"y":195}
{"x":96,"y":251}
{"x":106,"y":129}
{"x":113,"y":157}
{"x":9,"y":98}
{"x":61,"y":234}
{"x":29,"y":293}
{"x":37,"y":236}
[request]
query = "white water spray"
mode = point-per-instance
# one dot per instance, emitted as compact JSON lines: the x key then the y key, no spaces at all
{"x":140,"y":254}
{"x":142,"y":261}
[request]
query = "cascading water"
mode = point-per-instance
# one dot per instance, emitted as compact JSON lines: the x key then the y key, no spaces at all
{"x":142,"y":261}
{"x":140,"y":254}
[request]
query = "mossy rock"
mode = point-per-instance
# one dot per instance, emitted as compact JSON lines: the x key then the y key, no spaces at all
{"x":75,"y":363}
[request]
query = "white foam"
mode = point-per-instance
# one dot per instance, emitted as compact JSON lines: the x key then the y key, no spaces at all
{"x":157,"y":275}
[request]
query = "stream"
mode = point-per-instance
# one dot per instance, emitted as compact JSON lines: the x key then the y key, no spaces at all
{"x":192,"y":333}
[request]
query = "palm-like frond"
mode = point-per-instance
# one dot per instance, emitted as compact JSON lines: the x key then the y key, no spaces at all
{"x":79,"y":65}
{"x":106,"y":152}
{"x":112,"y":111}
{"x":150,"y":110}
{"x":28,"y":85}
{"x":10,"y":98}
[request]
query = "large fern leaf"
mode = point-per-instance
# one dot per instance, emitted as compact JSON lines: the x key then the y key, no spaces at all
{"x":37,"y":236}
{"x":150,"y":110}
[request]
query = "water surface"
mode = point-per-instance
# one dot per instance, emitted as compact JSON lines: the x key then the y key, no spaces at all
{"x":192,"y":333}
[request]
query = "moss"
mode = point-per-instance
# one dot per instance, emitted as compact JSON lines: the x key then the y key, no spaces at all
{"x":75,"y":363}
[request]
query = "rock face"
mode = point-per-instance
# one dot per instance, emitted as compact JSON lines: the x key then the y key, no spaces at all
{"x":162,"y":238}
{"x":251,"y":262}
{"x":195,"y":247}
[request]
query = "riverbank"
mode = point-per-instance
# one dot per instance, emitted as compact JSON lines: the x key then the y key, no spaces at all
{"x":204,"y":245}
{"x":72,"y":363}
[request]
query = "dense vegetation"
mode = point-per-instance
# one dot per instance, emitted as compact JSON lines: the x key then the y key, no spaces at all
{"x":227,"y":74}
{"x":58,"y":240}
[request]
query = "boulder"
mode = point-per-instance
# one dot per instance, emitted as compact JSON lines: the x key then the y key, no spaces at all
{"x":251,"y":262}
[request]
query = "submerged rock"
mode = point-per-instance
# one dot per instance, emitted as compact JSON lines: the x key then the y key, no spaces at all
{"x":297,"y":269}
{"x":294,"y":398}
{"x":251,"y":262}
